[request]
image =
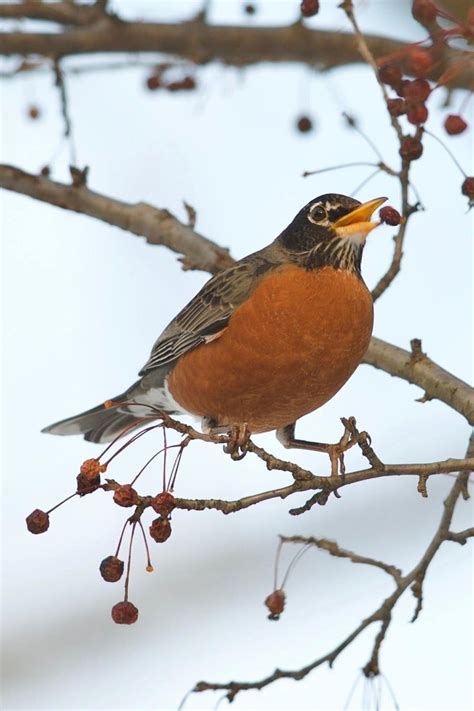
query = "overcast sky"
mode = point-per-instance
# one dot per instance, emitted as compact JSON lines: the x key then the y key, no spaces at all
{"x":83,"y":303}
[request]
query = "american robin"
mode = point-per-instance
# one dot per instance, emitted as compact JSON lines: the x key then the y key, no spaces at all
{"x":266,"y":341}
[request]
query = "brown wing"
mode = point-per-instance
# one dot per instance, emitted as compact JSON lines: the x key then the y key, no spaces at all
{"x":210,"y":310}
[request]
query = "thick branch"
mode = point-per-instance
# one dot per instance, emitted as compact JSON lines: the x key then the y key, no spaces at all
{"x":65,"y":13}
{"x":202,"y":43}
{"x":420,"y":370}
{"x":156,"y":225}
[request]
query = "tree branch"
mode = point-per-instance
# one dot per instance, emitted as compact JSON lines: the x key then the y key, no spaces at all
{"x":420,"y":370}
{"x":382,"y":614}
{"x":197,"y":41}
{"x":64,"y":13}
{"x":156,"y":225}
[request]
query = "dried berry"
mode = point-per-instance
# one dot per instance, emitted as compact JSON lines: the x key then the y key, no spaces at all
{"x":86,"y":486}
{"x":417,"y":114}
{"x":153,"y":82}
{"x":424,"y":11}
{"x":34,"y":112}
{"x":416,"y":91}
{"x":188,"y":83}
{"x":126,"y":496}
{"x":37,"y":521}
{"x":396,"y":107}
{"x":124,"y":613}
{"x":419,"y":62}
{"x":250,"y":9}
{"x":390,"y":74}
{"x":91,"y":468}
{"x":304,"y":124}
{"x":390,"y":216}
{"x":454,"y":124}
{"x":411,"y":148}
{"x":160,"y":529}
{"x":309,"y":8}
{"x":111,"y":569}
{"x":163,"y":503}
{"x":45,"y":171}
{"x":276,"y":604}
{"x":467,"y":188}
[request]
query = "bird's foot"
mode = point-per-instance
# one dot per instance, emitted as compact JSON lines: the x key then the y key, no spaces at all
{"x":336,"y":451}
{"x":239,"y":437}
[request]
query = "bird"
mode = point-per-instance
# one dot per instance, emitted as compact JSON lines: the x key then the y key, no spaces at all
{"x":266,"y":341}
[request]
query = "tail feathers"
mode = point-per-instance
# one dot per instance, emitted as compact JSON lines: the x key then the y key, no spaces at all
{"x":100,"y":424}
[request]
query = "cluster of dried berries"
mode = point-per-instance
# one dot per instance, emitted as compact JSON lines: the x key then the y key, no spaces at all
{"x":125,"y":495}
{"x":412,"y":94}
{"x":158,"y":80}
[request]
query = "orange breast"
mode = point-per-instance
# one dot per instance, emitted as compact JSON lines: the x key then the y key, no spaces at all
{"x":286,"y":351}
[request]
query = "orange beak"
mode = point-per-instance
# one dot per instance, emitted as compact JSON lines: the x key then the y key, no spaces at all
{"x":357,"y":223}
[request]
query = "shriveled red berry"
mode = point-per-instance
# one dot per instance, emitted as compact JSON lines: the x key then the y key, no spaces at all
{"x":396,"y":107}
{"x":417,"y":114}
{"x":37,"y":521}
{"x":390,"y":74}
{"x":411,"y":148}
{"x":91,"y":468}
{"x":188,"y":83}
{"x":417,"y":90}
{"x":126,"y":496}
{"x":87,"y":486}
{"x":454,"y":124}
{"x":163,"y":503}
{"x":160,"y":529}
{"x":419,"y":61}
{"x":309,"y":8}
{"x":425,"y":11}
{"x":390,"y":216}
{"x":400,"y":87}
{"x":124,"y":613}
{"x":153,"y":82}
{"x":34,"y":112}
{"x":467,"y":188}
{"x":111,"y":569}
{"x":276,"y":604}
{"x":304,"y":124}
{"x":45,"y":171}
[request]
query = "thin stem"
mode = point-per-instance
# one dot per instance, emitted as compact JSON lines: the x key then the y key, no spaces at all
{"x":129,"y":561}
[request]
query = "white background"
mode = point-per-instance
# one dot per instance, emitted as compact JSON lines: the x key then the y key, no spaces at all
{"x":83,"y":302}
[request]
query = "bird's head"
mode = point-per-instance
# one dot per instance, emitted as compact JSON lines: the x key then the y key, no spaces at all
{"x":330,"y":231}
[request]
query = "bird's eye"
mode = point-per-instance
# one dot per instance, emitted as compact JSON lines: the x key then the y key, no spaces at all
{"x":317,"y":214}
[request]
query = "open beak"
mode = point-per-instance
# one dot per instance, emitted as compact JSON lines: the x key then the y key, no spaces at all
{"x":357,"y":223}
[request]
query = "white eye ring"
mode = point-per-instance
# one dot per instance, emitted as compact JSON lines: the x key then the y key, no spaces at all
{"x":317,"y":214}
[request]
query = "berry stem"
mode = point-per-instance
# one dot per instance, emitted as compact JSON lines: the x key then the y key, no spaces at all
{"x":157,"y":454}
{"x":71,"y":496}
{"x":119,"y":544}
{"x":129,"y":561}
{"x":165,"y":458}
{"x":148,"y":559}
